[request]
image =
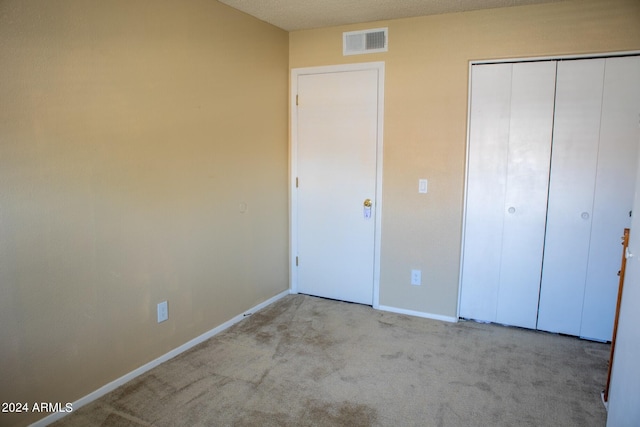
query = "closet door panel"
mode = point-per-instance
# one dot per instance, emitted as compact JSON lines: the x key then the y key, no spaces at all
{"x":525,"y":207}
{"x":615,"y":179}
{"x":486,"y":185}
{"x":571,"y":194}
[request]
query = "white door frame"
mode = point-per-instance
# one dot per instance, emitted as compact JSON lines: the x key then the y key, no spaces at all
{"x":293,"y":169}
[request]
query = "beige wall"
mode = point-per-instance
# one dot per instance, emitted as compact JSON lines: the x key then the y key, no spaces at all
{"x":130,"y":133}
{"x":426,"y":115}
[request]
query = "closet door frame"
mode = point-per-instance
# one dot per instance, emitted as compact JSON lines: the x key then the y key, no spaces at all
{"x":469,"y":74}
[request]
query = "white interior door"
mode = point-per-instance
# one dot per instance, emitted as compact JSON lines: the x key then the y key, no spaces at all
{"x":337,"y":137}
{"x":571,"y":194}
{"x":542,"y":245}
{"x":508,"y":173}
{"x":525,"y":206}
{"x":486,"y":187}
{"x":615,"y":185}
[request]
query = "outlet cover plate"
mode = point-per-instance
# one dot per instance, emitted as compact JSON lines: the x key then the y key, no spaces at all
{"x":416,"y":277}
{"x":163,"y":311}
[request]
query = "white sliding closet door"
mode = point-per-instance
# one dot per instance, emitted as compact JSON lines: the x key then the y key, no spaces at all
{"x":615,"y":185}
{"x":571,"y":194}
{"x":509,"y":149}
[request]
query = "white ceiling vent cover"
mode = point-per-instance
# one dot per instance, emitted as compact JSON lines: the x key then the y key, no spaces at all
{"x":367,"y":41}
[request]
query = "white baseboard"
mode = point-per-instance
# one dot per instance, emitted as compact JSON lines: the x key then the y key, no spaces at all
{"x":418,"y":314}
{"x":604,"y":402}
{"x":147,"y":367}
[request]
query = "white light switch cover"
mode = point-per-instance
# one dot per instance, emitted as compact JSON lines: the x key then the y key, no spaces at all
{"x":422,"y":186}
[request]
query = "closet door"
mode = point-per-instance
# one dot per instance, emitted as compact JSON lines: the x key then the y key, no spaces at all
{"x":525,"y":203}
{"x":486,"y":187}
{"x":509,"y":148}
{"x":571,"y":194}
{"x":615,"y":184}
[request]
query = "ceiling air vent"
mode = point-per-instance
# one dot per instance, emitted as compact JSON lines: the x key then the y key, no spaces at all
{"x":367,"y":41}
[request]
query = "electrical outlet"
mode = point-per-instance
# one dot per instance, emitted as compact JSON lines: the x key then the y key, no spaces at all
{"x":163,"y":311}
{"x":416,"y":277}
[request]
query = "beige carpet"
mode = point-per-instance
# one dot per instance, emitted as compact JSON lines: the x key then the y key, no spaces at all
{"x":307,"y":361}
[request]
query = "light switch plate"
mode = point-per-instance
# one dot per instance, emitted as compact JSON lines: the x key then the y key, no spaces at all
{"x":422,"y":186}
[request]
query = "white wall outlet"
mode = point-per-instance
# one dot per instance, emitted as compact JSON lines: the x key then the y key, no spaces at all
{"x":416,"y":277}
{"x":422,"y":186}
{"x":163,"y":311}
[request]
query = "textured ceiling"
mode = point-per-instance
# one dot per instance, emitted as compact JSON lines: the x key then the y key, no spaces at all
{"x":294,"y":15}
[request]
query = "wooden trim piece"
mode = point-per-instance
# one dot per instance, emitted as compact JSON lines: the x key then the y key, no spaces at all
{"x":623,"y":266}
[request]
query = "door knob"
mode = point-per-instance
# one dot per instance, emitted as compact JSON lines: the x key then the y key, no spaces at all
{"x":367,"y":203}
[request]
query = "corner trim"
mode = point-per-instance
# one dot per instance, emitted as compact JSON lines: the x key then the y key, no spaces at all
{"x":165,"y":357}
{"x":419,"y":314}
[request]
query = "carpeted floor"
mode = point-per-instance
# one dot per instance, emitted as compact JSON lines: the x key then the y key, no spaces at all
{"x":307,"y":361}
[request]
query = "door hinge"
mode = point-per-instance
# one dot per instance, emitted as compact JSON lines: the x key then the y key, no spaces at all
{"x":296,"y":99}
{"x":296,"y":261}
{"x":296,"y":182}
